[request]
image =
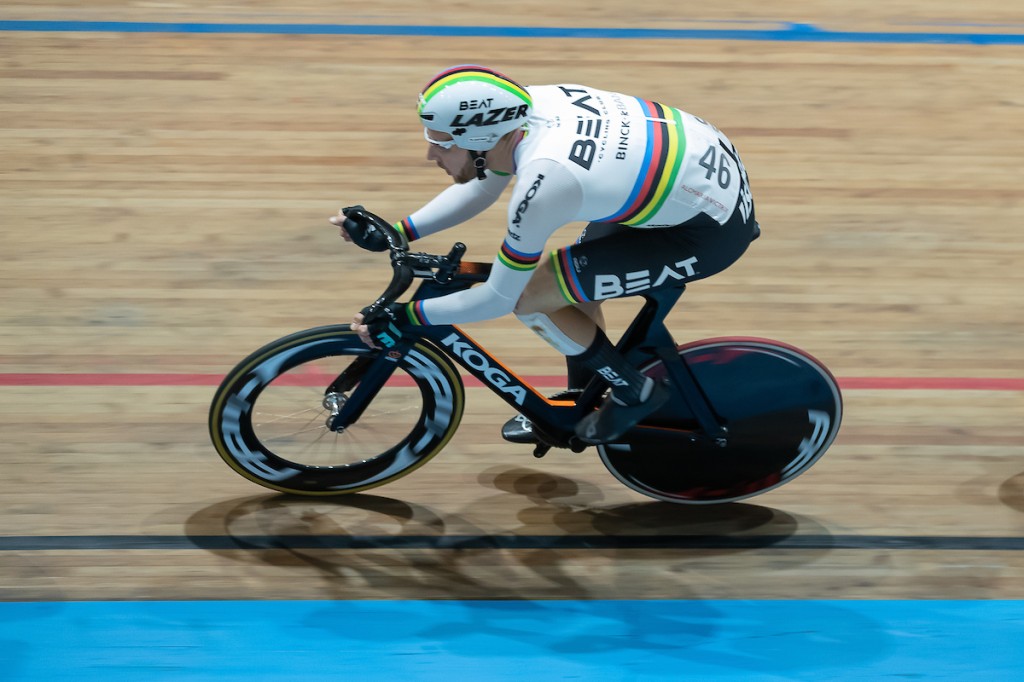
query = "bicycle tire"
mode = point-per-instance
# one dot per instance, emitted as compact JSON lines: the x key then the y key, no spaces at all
{"x":781,"y":406}
{"x":411,"y":417}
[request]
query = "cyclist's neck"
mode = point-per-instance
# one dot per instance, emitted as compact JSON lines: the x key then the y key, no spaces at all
{"x":502,"y":157}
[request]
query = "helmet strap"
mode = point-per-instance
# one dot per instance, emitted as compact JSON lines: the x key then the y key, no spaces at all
{"x":479,"y":162}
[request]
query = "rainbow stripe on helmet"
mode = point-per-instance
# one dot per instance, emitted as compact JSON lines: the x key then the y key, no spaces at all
{"x":472,"y":73}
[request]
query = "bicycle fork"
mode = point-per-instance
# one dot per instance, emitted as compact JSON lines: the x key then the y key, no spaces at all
{"x":364,"y":377}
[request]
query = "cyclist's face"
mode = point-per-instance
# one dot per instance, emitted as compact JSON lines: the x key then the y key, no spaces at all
{"x":454,"y":161}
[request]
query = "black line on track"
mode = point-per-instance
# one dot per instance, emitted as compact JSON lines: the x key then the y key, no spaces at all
{"x":30,"y":543}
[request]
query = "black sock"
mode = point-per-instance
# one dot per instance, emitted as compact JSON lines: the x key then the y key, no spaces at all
{"x":579,"y":375}
{"x":628,"y":385}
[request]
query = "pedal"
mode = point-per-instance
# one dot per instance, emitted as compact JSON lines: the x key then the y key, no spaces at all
{"x":541,"y":450}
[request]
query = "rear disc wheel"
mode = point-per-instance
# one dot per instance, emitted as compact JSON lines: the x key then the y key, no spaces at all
{"x":782,"y":409}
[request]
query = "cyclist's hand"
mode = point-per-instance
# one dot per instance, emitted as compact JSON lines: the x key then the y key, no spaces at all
{"x":358,"y":230}
{"x":339,"y":221}
{"x":381,"y":328}
{"x":362,"y":330}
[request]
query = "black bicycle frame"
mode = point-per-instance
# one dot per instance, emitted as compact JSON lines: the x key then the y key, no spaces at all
{"x":646,"y":339}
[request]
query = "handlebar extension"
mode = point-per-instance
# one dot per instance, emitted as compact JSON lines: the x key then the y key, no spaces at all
{"x":405,"y":266}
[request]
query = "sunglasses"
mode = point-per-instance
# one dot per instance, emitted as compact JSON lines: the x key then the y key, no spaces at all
{"x":443,"y":144}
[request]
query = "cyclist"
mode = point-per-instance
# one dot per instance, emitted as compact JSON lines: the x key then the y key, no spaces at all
{"x":664,"y":193}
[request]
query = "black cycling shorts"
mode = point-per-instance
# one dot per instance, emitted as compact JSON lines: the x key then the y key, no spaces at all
{"x":611,"y":260}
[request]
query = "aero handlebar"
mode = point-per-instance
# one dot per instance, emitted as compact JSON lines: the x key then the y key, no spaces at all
{"x":406,"y":266}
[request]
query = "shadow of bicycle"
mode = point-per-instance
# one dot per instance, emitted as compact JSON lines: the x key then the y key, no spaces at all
{"x":1011,"y":492}
{"x":377,"y":543}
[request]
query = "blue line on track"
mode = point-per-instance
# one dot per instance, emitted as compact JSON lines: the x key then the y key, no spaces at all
{"x":785,"y":32}
{"x":496,"y":641}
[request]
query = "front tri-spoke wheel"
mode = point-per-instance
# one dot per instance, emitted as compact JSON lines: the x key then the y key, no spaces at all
{"x":293,"y":415}
{"x":318,"y":413}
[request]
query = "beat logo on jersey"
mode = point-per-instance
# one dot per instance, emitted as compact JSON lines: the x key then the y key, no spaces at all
{"x":588,"y":126}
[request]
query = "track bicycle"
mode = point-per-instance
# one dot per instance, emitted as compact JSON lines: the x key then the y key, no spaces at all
{"x":320,"y":413}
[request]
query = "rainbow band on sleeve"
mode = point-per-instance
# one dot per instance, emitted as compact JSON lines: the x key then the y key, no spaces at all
{"x":406,"y":227}
{"x":473,"y":73}
{"x":517,"y":260}
{"x":666,"y":145}
{"x":568,"y":282}
{"x":414,"y":311}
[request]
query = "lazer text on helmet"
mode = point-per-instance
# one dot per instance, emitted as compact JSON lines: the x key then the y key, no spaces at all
{"x":490,"y":117}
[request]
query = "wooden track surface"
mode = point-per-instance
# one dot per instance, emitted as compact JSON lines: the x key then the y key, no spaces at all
{"x":164,"y":201}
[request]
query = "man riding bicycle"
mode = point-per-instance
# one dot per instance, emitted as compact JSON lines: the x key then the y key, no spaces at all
{"x":664,"y":193}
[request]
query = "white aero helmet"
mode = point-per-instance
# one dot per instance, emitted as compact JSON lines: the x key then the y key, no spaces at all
{"x":475,"y":105}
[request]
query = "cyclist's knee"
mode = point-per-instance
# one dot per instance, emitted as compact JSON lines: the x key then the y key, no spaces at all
{"x":539,"y":300}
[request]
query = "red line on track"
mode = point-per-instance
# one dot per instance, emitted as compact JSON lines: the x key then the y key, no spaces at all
{"x":164,"y":379}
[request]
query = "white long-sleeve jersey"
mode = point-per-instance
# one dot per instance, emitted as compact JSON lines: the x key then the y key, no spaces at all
{"x":588,"y":155}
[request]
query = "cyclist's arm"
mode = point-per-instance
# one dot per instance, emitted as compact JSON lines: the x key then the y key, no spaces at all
{"x":453,"y":206}
{"x":546,"y":197}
